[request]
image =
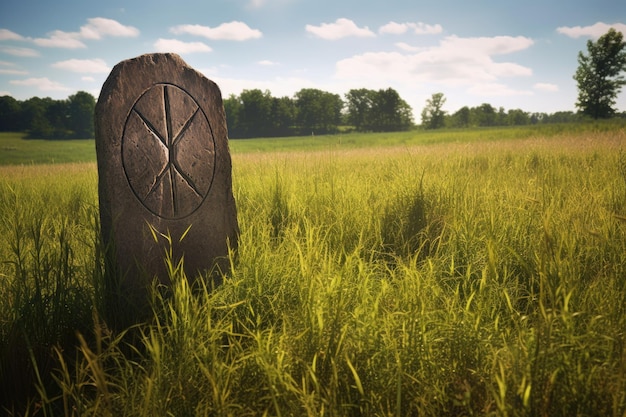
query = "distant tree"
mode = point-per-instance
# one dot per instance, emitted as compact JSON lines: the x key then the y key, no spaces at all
{"x":390,"y":113}
{"x":599,"y":75}
{"x":485,"y":115}
{"x":80,"y":114}
{"x":460,"y":118}
{"x":378,"y":111}
{"x":34,"y":118}
{"x":10,"y":110}
{"x":517,"y":117}
{"x":283,"y":116}
{"x":561,"y":117}
{"x":433,"y":116}
{"x":232,"y":108}
{"x":359,"y":104}
{"x":255,"y":113}
{"x":58,"y":115}
{"x":318,"y":111}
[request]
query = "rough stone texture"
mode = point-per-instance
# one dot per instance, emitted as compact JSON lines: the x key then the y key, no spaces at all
{"x":164,"y":169}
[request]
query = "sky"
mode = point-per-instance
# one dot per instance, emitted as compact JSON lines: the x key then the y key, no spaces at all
{"x":516,"y":55}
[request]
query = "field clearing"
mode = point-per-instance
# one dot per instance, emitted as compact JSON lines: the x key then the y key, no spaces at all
{"x":451,"y":277}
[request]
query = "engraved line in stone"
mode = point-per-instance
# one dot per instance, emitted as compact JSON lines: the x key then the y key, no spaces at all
{"x":150,"y":127}
{"x":157,"y":181}
{"x":171,"y":156}
{"x":188,"y":179}
{"x":185,"y":127}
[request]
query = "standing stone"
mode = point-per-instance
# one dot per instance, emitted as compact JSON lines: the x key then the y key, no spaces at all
{"x":164,"y":173}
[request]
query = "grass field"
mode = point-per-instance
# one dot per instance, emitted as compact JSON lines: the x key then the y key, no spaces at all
{"x":431,"y":273}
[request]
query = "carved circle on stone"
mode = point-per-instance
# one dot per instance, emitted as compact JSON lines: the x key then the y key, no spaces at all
{"x":168,"y":151}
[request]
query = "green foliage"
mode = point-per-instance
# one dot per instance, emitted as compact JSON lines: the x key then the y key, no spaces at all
{"x":318,"y":111}
{"x":478,"y":277}
{"x":433,"y":115}
{"x":599,"y":75}
{"x":378,"y":111}
{"x":49,"y":119}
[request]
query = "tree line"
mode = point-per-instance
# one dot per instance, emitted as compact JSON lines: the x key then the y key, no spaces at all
{"x":50,"y":119}
{"x":599,"y":80}
{"x":486,"y":115}
{"x":256,"y":113}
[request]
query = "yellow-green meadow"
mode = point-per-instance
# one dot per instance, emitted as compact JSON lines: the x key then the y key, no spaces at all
{"x":459,"y":274}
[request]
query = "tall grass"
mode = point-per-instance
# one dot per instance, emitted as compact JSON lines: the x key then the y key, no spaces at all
{"x":482,"y":278}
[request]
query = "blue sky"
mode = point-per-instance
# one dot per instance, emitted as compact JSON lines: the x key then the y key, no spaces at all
{"x":511,"y":54}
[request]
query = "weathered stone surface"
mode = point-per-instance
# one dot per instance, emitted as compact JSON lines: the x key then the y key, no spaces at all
{"x":163,"y":165}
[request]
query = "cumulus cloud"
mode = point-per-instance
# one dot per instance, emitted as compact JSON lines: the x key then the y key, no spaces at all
{"x":496,"y":89}
{"x":550,"y":88}
{"x":406,"y":47}
{"x":594,"y":31}
{"x":42,"y":84}
{"x":60,"y":39}
{"x":23,"y":52}
{"x":279,"y":86}
{"x":9,"y":71}
{"x":92,"y":66}
{"x":267,"y":63}
{"x":231,"y":31}
{"x":7,"y":35}
{"x":180,"y":47}
{"x":88,"y":78}
{"x":418,"y":28}
{"x":454,"y":62}
{"x":341,"y":28}
{"x":96,"y":28}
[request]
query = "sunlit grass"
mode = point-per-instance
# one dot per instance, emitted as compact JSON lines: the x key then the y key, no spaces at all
{"x":467,"y":278}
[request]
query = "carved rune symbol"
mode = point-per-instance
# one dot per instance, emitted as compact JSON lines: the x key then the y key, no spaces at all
{"x":168,"y":151}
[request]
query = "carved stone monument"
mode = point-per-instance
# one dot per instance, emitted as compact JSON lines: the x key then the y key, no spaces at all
{"x":164,"y":173}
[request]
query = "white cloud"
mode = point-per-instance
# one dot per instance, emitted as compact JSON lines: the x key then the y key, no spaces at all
{"x":7,"y":35}
{"x":60,"y":39}
{"x":88,"y":78}
{"x":454,"y":62}
{"x":408,"y":48}
{"x":96,"y":28}
{"x":342,"y":28}
{"x":13,"y":71}
{"x":42,"y":84}
{"x":550,"y":88}
{"x":232,"y":31}
{"x":394,"y":28}
{"x":23,"y":52}
{"x":94,"y":66}
{"x":267,"y":63}
{"x":594,"y":31}
{"x":418,"y":28}
{"x":5,"y":93}
{"x":180,"y":47}
{"x":279,"y":86}
{"x":496,"y":89}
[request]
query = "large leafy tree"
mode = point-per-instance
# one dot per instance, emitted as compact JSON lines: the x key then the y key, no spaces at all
{"x":390,"y":112}
{"x":433,"y":115}
{"x":81,"y":114}
{"x":599,"y":75}
{"x":378,"y":111}
{"x":318,"y":111}
{"x":255,"y":112}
